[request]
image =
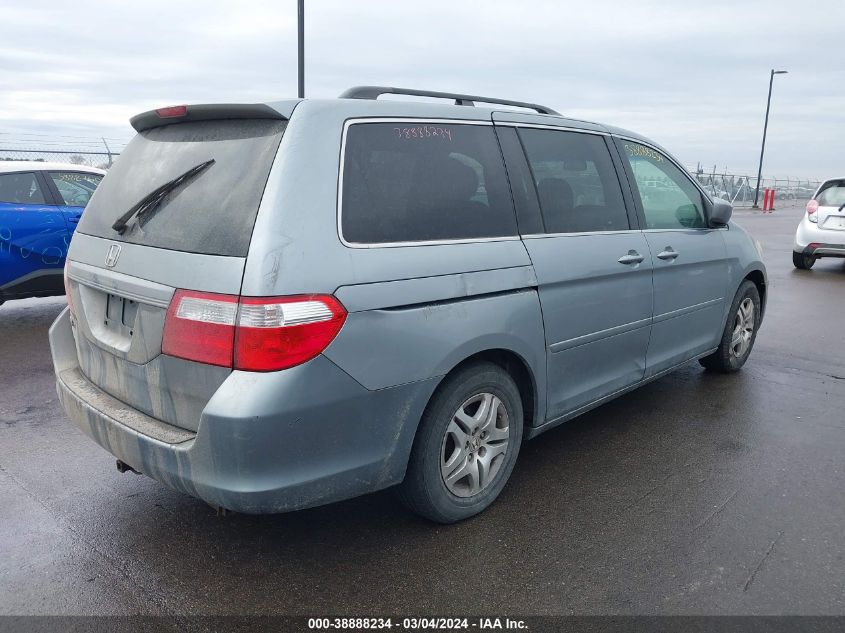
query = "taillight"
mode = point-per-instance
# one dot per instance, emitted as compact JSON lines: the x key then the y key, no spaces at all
{"x":67,"y":288}
{"x":812,"y":207}
{"x":200,"y":326}
{"x":280,"y":332}
{"x":250,"y":333}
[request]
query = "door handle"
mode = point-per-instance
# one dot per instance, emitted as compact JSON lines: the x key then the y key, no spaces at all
{"x":633,"y":257}
{"x":75,"y":219}
{"x":668,"y":254}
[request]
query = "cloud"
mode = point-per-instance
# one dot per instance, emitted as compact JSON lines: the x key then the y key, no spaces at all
{"x":693,"y":77}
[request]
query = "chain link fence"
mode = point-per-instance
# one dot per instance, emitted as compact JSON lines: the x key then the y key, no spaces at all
{"x":740,"y":189}
{"x":102,"y":160}
{"x":89,"y":151}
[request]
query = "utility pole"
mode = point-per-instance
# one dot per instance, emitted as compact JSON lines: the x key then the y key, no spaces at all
{"x":765,"y":127}
{"x":301,"y":44}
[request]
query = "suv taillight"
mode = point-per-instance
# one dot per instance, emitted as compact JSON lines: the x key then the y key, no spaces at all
{"x":250,"y":333}
{"x":280,"y":332}
{"x":200,"y":326}
{"x":812,"y":207}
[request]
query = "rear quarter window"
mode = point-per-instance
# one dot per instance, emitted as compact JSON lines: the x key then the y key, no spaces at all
{"x":423,"y":181}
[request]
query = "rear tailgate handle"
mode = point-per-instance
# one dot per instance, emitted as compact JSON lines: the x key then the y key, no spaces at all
{"x":668,"y":254}
{"x":633,"y":257}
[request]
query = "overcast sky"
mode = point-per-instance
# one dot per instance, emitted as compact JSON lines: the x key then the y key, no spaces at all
{"x":691,"y":75}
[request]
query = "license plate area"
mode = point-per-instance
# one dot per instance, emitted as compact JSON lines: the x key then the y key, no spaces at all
{"x":120,"y":314}
{"x":835,"y":222}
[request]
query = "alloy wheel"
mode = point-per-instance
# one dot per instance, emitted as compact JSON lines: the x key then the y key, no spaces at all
{"x":743,"y":328}
{"x":474,"y":446}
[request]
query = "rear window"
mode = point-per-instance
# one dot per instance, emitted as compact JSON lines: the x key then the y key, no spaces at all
{"x":833,"y":194}
{"x":20,"y":189}
{"x":413,"y":182}
{"x":213,"y":212}
{"x":75,"y":187}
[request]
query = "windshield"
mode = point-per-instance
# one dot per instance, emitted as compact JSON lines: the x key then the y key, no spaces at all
{"x":833,"y":194}
{"x":212,"y":212}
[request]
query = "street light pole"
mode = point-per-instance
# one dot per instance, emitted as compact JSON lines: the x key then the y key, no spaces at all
{"x":301,"y":44}
{"x":765,"y":127}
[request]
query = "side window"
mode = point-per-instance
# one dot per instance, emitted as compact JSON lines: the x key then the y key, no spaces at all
{"x":413,"y":182}
{"x":75,"y":188}
{"x":670,"y":200}
{"x":20,"y":189}
{"x":576,"y":181}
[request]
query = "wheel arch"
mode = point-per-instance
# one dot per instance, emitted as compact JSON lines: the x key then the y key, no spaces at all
{"x":518,"y":368}
{"x":758,"y":278}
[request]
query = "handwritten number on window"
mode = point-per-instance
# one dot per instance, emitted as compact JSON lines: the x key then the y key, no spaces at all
{"x":641,"y":150}
{"x":420,"y":132}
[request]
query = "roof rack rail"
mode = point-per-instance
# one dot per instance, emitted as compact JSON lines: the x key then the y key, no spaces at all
{"x":373,"y":92}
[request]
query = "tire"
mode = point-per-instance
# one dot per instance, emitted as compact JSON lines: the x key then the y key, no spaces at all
{"x":737,"y":339}
{"x":436,"y":447}
{"x":803,"y":261}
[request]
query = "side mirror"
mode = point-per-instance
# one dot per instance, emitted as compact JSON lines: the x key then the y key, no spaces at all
{"x":720,"y":213}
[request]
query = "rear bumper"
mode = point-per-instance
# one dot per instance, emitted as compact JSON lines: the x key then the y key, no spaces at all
{"x":811,"y":240}
{"x":266,"y":442}
{"x":824,"y":250}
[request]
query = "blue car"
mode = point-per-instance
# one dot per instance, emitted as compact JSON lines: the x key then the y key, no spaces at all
{"x":40,"y":206}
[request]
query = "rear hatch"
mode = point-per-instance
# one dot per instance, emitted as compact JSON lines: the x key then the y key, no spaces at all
{"x":831,"y":200}
{"x":176,"y":211}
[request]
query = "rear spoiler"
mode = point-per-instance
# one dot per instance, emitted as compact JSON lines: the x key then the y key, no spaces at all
{"x":203,"y":112}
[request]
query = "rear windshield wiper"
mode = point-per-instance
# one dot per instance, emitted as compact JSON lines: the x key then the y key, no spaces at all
{"x":149,"y":203}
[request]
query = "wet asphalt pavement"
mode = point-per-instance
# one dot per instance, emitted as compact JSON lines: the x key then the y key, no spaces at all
{"x":697,"y":494}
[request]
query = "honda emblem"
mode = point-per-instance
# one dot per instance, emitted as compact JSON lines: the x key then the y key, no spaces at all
{"x":112,"y":255}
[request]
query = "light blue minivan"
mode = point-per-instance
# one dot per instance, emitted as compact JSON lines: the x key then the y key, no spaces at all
{"x":281,"y":305}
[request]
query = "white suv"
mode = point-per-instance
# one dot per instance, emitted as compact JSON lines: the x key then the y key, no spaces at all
{"x":822,"y":231}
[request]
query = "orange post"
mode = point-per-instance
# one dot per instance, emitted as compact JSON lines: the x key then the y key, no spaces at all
{"x":768,"y":200}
